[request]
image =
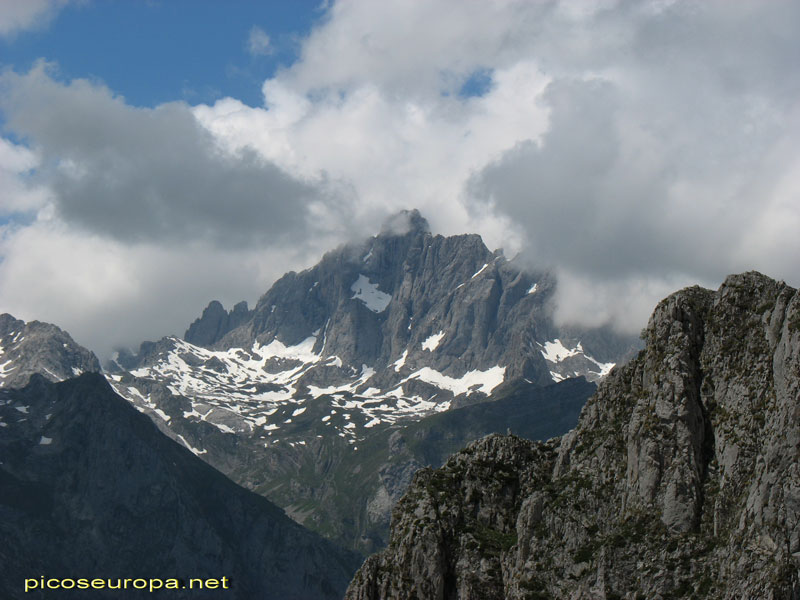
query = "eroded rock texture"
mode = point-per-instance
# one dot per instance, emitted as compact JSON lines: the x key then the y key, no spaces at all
{"x":680,"y":481}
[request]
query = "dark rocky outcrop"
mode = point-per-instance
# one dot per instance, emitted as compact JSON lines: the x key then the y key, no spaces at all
{"x":90,"y":488}
{"x":680,"y":481}
{"x":215,"y":322}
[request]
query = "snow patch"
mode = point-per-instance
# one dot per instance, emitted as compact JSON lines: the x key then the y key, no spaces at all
{"x":533,"y":288}
{"x":555,"y":351}
{"x":433,"y":341}
{"x":45,"y":441}
{"x":368,"y":293}
{"x":400,"y":362}
{"x":482,"y":381}
{"x":194,"y":450}
{"x":162,"y":414}
{"x":479,"y":271}
{"x":222,"y":427}
{"x":605,"y":368}
{"x":5,"y":369}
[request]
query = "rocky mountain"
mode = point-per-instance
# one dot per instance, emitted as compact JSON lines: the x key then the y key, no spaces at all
{"x":377,"y":335}
{"x":90,"y":488}
{"x":411,"y":322}
{"x":35,"y":347}
{"x":680,"y":481}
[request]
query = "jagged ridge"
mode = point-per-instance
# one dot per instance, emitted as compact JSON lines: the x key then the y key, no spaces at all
{"x":36,"y":347}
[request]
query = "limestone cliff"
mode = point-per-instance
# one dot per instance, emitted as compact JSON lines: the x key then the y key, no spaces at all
{"x":682,"y":479}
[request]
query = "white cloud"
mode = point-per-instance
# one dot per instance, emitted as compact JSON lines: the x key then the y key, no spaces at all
{"x":18,"y":195}
{"x":133,"y":219}
{"x":21,"y":15}
{"x":624,"y":303}
{"x":627,"y":143}
{"x":258,"y":43}
{"x":395,"y":152}
{"x":632,"y":147}
{"x":107,"y":293}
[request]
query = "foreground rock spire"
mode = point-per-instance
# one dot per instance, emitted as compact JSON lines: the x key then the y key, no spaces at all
{"x":680,"y":481}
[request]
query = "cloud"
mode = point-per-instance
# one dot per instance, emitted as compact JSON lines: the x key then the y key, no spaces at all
{"x":258,"y":43}
{"x":19,"y":194}
{"x":21,"y":15}
{"x":109,"y":294}
{"x":394,"y":152}
{"x":674,"y":161}
{"x":623,"y":303}
{"x":632,"y":147}
{"x":123,"y":223}
{"x":621,"y":144}
{"x":137,"y":174}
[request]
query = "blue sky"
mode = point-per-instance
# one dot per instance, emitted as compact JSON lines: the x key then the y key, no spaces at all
{"x":155,"y":51}
{"x":167,"y":153}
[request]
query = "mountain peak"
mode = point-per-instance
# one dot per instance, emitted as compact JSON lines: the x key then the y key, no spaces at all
{"x":37,"y":347}
{"x":404,"y":222}
{"x":215,"y":323}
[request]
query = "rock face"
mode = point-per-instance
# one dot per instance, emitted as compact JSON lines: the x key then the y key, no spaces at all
{"x":35,"y":347}
{"x":215,"y":323}
{"x":680,"y":481}
{"x":90,"y":488}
